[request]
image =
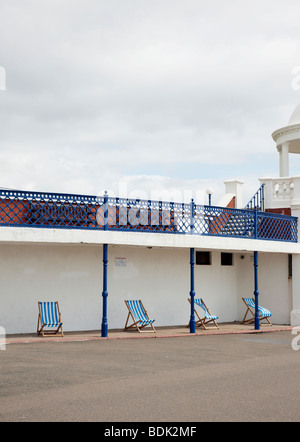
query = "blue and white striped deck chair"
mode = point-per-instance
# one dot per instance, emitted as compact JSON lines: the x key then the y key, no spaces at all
{"x":139,"y":316}
{"x":208,"y":317}
{"x":263,"y":312}
{"x":49,"y":318}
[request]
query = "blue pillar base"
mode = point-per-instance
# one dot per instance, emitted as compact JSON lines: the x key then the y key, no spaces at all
{"x":192,"y":326}
{"x":104,"y":330}
{"x":257,"y":324}
{"x":256,"y":315}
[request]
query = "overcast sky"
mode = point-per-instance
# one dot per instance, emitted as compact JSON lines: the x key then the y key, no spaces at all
{"x":145,"y":95}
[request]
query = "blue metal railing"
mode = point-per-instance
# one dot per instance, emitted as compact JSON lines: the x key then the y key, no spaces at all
{"x":64,"y":211}
{"x":258,"y":200}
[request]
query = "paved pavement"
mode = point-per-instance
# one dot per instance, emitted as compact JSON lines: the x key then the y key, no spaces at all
{"x":161,"y":332}
{"x":209,"y":377}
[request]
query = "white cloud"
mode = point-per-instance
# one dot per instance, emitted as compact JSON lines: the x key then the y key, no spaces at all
{"x":101,"y":92}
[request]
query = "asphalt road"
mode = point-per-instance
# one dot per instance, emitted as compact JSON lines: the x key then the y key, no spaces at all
{"x":190,"y":379}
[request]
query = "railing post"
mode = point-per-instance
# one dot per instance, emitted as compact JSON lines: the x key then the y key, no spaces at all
{"x":105,"y":203}
{"x":160,"y":214}
{"x":104,"y":326}
{"x":192,"y":217}
{"x":262,"y":197}
{"x":255,"y":223}
{"x":192,"y":292}
{"x":256,"y":292}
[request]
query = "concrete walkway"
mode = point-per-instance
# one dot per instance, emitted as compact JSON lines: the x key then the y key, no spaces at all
{"x":179,"y":382}
{"x":161,"y":332}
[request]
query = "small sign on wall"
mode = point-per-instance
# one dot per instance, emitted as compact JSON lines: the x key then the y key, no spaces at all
{"x":120,"y":262}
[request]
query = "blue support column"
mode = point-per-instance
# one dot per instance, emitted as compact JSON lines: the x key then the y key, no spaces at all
{"x":192,"y":292}
{"x":104,"y":325}
{"x":256,"y":292}
{"x":192,"y":263}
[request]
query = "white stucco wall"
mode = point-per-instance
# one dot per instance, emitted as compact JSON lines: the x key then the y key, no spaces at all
{"x":72,"y":275}
{"x":273,"y":283}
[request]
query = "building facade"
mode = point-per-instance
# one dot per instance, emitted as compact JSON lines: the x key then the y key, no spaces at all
{"x":52,"y":247}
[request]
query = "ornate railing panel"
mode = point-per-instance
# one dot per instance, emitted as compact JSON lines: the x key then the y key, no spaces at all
{"x":48,"y":210}
{"x":258,"y":200}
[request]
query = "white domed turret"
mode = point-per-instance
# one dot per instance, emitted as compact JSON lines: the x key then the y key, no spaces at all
{"x":295,"y":117}
{"x":288,"y":141}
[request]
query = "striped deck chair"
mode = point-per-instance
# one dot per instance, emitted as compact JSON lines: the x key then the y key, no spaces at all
{"x":49,"y":318}
{"x":208,"y":317}
{"x":263,"y":312}
{"x":137,"y":313}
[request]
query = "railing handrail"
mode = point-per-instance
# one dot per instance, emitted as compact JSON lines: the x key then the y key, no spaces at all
{"x":46,"y":195}
{"x":58,"y":210}
{"x":53,"y":196}
{"x":247,"y":211}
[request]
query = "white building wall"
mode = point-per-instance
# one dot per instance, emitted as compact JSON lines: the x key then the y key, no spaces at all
{"x":217,"y":285}
{"x":274,"y":284}
{"x":68,"y":274}
{"x":72,"y":275}
{"x":295,"y":314}
{"x":160,"y":277}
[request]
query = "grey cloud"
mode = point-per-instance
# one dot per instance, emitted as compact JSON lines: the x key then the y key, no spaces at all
{"x":95,"y":88}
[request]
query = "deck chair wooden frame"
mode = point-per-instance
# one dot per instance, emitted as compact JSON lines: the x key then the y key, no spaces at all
{"x":263,"y":312}
{"x":49,"y":319}
{"x":208,"y":317}
{"x":138,"y":314}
